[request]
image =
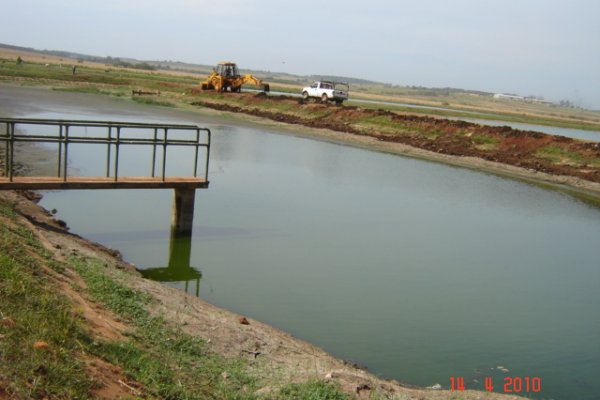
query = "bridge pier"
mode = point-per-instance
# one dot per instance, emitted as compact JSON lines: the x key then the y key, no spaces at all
{"x":183,"y":211}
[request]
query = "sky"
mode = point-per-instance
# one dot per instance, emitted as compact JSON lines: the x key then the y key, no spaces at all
{"x":548,"y":48}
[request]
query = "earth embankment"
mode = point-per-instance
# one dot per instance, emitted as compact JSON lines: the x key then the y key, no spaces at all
{"x":534,"y":151}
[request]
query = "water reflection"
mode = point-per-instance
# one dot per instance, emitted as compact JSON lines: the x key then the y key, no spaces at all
{"x":179,"y":268}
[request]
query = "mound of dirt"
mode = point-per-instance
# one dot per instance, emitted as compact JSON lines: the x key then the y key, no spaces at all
{"x":536,"y":151}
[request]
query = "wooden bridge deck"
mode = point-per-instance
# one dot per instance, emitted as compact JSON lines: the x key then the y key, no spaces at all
{"x":77,"y":182}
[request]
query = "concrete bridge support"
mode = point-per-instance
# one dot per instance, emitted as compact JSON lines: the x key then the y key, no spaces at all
{"x":183,"y":211}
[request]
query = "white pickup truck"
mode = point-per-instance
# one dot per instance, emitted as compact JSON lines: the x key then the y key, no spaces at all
{"x":326,"y":91}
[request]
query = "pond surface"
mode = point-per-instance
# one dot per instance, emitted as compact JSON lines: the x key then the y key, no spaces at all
{"x":416,"y":270}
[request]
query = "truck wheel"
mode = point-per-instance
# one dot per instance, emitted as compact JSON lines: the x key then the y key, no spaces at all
{"x":324,"y":98}
{"x":305,"y":95}
{"x":339,"y":102}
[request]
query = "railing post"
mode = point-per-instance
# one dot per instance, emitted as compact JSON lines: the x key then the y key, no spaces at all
{"x":108,"y":151}
{"x":154,"y":152}
{"x":66,"y":146}
{"x":196,"y":154}
{"x":207,"y":155}
{"x":164,"y":164}
{"x":117,"y":152}
{"x":60,"y":136}
{"x":6,"y":154}
{"x":10,"y":151}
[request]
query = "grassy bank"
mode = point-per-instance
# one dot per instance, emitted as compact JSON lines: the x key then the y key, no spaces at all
{"x":40,"y":335}
{"x":50,"y":347}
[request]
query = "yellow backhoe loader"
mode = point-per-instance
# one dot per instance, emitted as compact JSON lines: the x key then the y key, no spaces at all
{"x":225,"y":76}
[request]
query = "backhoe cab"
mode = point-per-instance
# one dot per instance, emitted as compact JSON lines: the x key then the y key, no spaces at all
{"x":226,"y":76}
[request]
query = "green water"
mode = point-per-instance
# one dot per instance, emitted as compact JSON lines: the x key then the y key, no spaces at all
{"x":418,"y":271}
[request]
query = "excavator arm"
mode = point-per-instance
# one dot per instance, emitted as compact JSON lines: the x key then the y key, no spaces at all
{"x":255,"y":81}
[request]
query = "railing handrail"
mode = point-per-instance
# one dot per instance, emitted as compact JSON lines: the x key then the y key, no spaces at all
{"x":63,"y":139}
{"x":82,"y":122}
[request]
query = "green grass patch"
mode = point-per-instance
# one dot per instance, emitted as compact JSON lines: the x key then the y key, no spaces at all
{"x":483,"y":139}
{"x":559,"y":155}
{"x":87,"y":89}
{"x":60,"y":73}
{"x":31,"y":310}
{"x":384,"y":121}
{"x":432,"y":134}
{"x":92,"y":90}
{"x":484,"y":142}
{"x":179,"y":372}
{"x":481,"y":142}
{"x":316,"y":114}
{"x":388,"y":125}
{"x":312,"y":390}
{"x":168,"y":362}
{"x":125,"y":302}
{"x":7,"y":209}
{"x":20,"y":243}
{"x":91,"y":75}
{"x":383,"y":124}
{"x":152,"y":101}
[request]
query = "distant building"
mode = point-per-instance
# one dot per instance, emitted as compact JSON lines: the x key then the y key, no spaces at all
{"x":514,"y":97}
{"x":502,"y":96}
{"x":536,"y":100}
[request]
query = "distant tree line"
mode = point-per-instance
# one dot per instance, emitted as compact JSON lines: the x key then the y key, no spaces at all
{"x":117,"y":62}
{"x":566,"y":103}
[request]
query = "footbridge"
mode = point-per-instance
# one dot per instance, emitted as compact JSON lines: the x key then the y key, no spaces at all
{"x":175,"y":157}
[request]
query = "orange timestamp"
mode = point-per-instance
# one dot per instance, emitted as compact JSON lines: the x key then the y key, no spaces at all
{"x":512,"y":384}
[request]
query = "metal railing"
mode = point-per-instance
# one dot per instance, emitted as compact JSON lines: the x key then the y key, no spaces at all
{"x":157,"y":136}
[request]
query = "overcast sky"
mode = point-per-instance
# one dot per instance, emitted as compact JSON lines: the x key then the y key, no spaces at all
{"x":548,"y":48}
